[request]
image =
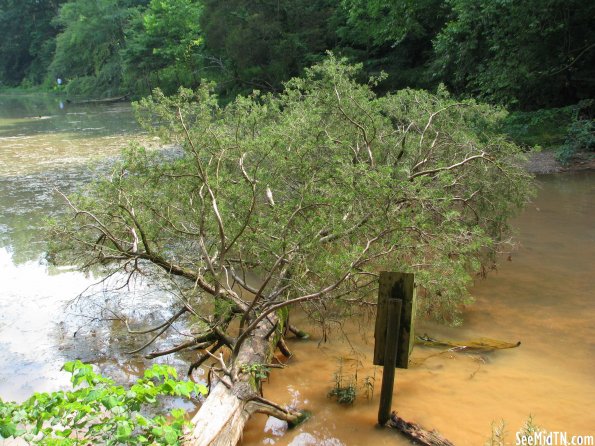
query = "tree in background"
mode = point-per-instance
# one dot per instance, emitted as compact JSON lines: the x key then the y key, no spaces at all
{"x":27,"y":37}
{"x":88,"y":48}
{"x":392,"y":36}
{"x":259,"y":44}
{"x":164,"y":46}
{"x":527,"y":54}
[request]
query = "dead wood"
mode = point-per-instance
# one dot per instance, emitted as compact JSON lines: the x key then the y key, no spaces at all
{"x":221,"y":418}
{"x":477,"y":345}
{"x":416,"y":432}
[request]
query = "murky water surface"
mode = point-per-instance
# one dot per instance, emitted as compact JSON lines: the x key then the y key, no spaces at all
{"x":48,"y":145}
{"x":543,"y":297}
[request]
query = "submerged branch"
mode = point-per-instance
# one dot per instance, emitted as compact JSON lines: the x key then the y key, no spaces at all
{"x":167,"y":322}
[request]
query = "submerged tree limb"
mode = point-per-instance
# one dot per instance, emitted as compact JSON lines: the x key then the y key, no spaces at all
{"x":264,"y":406}
{"x":479,"y":344}
{"x":416,"y":432}
{"x":297,"y":332}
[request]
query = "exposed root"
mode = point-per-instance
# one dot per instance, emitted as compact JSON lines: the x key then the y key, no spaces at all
{"x":297,"y":332}
{"x":262,"y":405}
{"x":284,"y":349}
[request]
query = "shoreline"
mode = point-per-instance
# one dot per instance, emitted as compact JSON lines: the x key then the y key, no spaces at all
{"x":546,"y":163}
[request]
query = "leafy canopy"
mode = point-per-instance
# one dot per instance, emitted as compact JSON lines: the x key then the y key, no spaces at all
{"x":528,"y":54}
{"x":164,"y":46}
{"x":313,"y":191}
{"x":93,"y":30}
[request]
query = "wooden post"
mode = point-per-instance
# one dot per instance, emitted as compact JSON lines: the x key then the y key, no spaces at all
{"x":390,"y":360}
{"x":392,"y":285}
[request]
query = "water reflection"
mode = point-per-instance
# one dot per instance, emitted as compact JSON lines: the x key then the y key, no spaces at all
{"x":30,"y":307}
{"x":43,"y":148}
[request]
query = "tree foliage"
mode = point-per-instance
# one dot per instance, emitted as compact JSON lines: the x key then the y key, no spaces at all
{"x":260,"y":44}
{"x":312,"y":191}
{"x":526,"y":55}
{"x":529,"y":54}
{"x":93,"y":30}
{"x":395,"y":37}
{"x":163,"y":46}
{"x":27,"y":39}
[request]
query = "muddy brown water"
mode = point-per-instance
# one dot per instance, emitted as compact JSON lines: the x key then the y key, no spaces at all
{"x":543,"y":297}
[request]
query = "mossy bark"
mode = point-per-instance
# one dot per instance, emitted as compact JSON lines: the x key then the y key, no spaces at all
{"x":222,"y":417}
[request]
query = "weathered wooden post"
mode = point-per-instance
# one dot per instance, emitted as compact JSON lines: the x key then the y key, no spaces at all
{"x":390,"y":360}
{"x":394,"y":332}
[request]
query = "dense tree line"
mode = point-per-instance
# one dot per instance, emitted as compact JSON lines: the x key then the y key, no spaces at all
{"x":526,"y":54}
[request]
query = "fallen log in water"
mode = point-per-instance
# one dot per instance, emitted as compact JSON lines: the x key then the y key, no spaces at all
{"x":416,"y":432}
{"x":99,"y":101}
{"x":479,"y":344}
{"x":221,"y":419}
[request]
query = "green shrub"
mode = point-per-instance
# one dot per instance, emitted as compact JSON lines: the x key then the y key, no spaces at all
{"x":580,"y":137}
{"x":98,"y":411}
{"x":545,"y":128}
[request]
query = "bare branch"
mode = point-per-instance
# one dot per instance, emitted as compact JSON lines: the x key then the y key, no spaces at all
{"x":167,"y":322}
{"x":482,"y":155}
{"x":204,"y":356}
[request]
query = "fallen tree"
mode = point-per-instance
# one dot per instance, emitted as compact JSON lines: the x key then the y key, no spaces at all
{"x":296,"y":199}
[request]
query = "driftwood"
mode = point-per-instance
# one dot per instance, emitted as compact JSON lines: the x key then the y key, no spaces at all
{"x":479,"y":344}
{"x":220,"y":420}
{"x":100,"y":101}
{"x":416,"y":432}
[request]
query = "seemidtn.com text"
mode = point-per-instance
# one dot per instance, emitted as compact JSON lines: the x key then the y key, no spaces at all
{"x":553,"y":438}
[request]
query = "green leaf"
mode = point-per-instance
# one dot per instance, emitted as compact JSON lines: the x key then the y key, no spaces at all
{"x":171,"y":436}
{"x":141,"y":420}
{"x":178,"y":413}
{"x":7,"y":429}
{"x":109,"y":402}
{"x":64,"y":433}
{"x":69,"y":366}
{"x":123,"y":431}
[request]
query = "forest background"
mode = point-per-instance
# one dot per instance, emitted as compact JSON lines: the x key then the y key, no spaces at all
{"x":528,"y":55}
{"x":535,"y":57}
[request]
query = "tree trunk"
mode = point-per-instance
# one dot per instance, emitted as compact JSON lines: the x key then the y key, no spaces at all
{"x":223,"y":415}
{"x":220,"y":420}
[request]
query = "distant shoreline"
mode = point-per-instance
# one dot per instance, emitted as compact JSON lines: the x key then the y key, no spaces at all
{"x":546,"y":163}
